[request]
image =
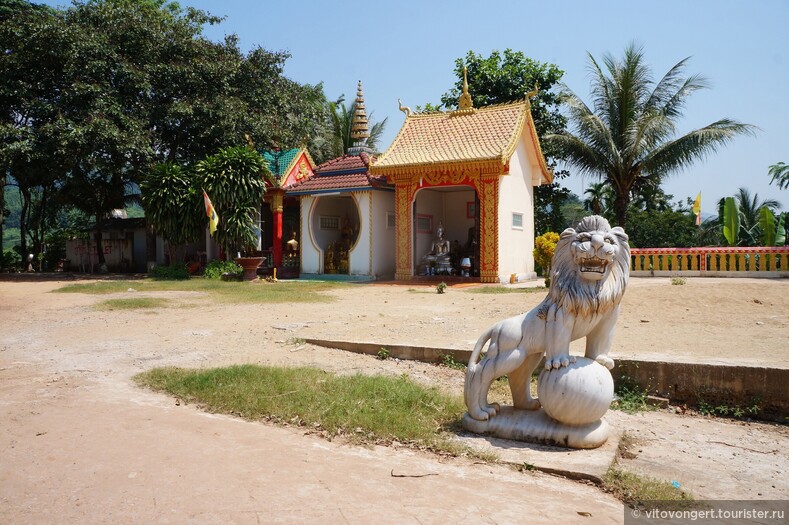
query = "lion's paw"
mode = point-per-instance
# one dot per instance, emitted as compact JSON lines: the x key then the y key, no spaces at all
{"x":492,"y":409}
{"x":605,"y":361}
{"x":558,"y":362}
{"x":532,"y":404}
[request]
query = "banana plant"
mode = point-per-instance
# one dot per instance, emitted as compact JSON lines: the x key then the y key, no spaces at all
{"x":731,"y":221}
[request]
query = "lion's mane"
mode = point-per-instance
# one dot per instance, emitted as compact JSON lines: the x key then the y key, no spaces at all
{"x":577,"y":295}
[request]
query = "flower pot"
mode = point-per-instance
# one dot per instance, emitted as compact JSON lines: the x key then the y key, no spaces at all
{"x":250,"y":266}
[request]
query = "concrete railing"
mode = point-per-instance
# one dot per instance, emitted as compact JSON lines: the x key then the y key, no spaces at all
{"x":753,"y":261}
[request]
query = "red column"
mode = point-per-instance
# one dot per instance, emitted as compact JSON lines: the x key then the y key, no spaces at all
{"x":276,"y":209}
{"x":277,"y":215}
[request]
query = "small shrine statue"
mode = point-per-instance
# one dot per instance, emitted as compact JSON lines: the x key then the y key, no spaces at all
{"x":293,"y":244}
{"x":438,"y":256}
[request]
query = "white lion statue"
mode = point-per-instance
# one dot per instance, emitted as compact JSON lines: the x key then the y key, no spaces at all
{"x":589,"y":273}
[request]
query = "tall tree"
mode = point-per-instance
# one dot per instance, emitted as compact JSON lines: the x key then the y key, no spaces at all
{"x":780,"y":175}
{"x":627,"y":138}
{"x":507,"y":77}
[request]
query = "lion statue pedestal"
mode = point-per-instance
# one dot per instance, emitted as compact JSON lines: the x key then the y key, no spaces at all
{"x":590,"y":268}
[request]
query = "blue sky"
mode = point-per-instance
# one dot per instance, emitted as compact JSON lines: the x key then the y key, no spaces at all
{"x":407,"y":48}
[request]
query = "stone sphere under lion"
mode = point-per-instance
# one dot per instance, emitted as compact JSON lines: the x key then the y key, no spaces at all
{"x":577,"y":394}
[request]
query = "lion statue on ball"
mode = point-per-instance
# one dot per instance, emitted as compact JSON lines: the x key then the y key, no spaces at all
{"x":589,"y":273}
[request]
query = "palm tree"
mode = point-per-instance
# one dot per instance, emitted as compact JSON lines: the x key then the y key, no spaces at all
{"x":597,"y":194}
{"x":342,"y":123}
{"x":627,"y":138}
{"x":749,"y":212}
{"x":780,"y":175}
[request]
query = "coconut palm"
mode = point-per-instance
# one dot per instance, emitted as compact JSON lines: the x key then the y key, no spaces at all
{"x":597,"y":193}
{"x":627,"y":138}
{"x":749,"y":208}
{"x":780,"y":175}
{"x":342,"y":123}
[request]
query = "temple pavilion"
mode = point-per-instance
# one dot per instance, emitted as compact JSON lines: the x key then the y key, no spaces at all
{"x":347,"y":221}
{"x":472,"y":171}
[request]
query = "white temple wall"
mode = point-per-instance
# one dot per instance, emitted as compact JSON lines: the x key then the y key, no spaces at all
{"x":383,"y":233}
{"x":516,"y":219}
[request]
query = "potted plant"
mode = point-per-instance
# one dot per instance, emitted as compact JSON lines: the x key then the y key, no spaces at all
{"x":235,"y":180}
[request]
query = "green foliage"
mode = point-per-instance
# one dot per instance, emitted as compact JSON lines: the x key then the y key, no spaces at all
{"x":441,"y":287}
{"x":678,"y":281}
{"x":767,"y":226}
{"x":175,"y":272}
{"x":361,"y":408}
{"x":662,"y":229}
{"x":342,"y":124}
{"x":634,"y":489}
{"x":383,"y":354}
{"x":630,"y":397}
{"x":173,"y":205}
{"x":731,"y":221}
{"x":215,"y":269}
{"x":626,"y":138}
{"x":449,"y":360}
{"x":235,"y":180}
{"x":780,"y":175}
{"x":749,"y":409}
{"x":507,"y":77}
{"x":94,"y":95}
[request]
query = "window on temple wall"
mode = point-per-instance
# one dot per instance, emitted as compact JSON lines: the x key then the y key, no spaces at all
{"x":329,"y":222}
{"x":517,"y":221}
{"x":424,"y":223}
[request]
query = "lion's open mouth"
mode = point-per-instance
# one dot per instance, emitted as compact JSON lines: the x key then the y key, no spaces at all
{"x":594,"y":265}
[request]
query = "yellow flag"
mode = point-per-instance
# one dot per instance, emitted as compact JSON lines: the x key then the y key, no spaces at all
{"x":697,"y":208}
{"x":213,"y":218}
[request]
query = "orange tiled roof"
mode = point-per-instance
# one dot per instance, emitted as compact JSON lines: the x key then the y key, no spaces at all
{"x":441,"y":140}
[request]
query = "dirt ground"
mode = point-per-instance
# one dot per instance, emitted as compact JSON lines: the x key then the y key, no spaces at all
{"x":81,"y":444}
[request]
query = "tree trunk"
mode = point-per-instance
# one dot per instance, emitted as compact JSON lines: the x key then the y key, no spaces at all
{"x":620,"y":210}
{"x":99,"y":247}
{"x":23,"y":219}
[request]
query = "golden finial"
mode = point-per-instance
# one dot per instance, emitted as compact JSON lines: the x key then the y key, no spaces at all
{"x":465,"y":102}
{"x":359,"y":130}
{"x":533,"y":92}
{"x":404,"y":109}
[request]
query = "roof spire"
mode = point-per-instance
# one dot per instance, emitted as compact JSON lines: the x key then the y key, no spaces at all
{"x":359,"y":130}
{"x":465,"y":104}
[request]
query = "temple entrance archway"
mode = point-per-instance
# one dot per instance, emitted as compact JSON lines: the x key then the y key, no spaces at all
{"x":334,"y":230}
{"x":456,"y":210}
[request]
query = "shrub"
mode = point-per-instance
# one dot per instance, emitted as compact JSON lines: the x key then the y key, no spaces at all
{"x":544,"y":246}
{"x":175,"y":272}
{"x":215,"y":269}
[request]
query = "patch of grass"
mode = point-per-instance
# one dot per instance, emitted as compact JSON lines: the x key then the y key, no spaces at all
{"x":504,"y":289}
{"x":450,"y":361}
{"x":383,"y":354}
{"x":132,"y":303}
{"x":441,"y":287}
{"x":678,"y":281}
{"x":231,"y":292}
{"x":365,"y":409}
{"x":751,"y":408}
{"x":633,"y":489}
{"x":630,"y":397}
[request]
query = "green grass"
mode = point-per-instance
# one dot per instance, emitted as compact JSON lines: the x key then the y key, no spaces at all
{"x":232,"y":292}
{"x":504,"y":289}
{"x":630,"y":397}
{"x":365,"y":409}
{"x":132,"y":303}
{"x":634,"y":489}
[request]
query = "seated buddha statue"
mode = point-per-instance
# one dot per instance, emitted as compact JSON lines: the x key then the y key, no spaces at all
{"x":438,"y":256}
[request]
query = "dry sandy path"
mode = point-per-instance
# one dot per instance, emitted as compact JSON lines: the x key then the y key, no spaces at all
{"x":81,"y":444}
